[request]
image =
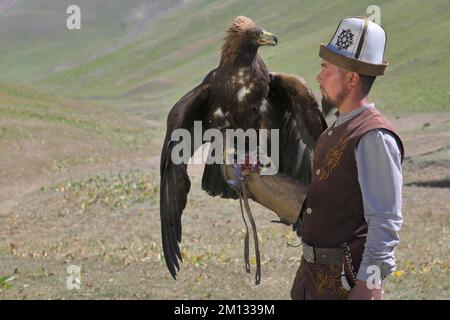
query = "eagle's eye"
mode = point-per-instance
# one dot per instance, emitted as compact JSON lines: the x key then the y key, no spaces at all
{"x":256,"y":35}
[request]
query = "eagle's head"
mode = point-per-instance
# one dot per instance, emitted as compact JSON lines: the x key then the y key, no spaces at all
{"x":243,"y":39}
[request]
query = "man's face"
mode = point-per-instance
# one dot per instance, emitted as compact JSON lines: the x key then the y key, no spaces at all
{"x":332,"y":83}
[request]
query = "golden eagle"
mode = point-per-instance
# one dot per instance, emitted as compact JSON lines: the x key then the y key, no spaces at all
{"x":239,"y":93}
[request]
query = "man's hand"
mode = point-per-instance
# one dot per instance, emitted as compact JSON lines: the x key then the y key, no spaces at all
{"x":361,"y":292}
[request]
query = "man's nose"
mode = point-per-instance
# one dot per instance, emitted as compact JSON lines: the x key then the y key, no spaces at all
{"x":318,"y":77}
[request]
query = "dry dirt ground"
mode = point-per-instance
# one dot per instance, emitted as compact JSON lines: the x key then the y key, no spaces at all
{"x":67,"y":198}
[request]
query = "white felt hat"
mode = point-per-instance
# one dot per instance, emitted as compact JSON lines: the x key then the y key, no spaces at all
{"x":357,"y":45}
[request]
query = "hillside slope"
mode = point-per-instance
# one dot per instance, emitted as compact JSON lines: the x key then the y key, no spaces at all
{"x":172,"y":51}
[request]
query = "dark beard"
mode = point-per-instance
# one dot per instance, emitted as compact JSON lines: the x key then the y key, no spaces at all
{"x":339,"y":99}
{"x":326,"y":106}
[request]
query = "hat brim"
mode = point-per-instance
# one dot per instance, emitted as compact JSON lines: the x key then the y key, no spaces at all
{"x":352,"y":64}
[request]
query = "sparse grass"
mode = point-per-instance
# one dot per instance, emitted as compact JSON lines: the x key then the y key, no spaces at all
{"x":5,"y":281}
{"x":112,"y":191}
{"x":128,"y":136}
{"x":23,"y":103}
{"x":119,"y":263}
{"x":423,"y":263}
{"x":6,"y":133}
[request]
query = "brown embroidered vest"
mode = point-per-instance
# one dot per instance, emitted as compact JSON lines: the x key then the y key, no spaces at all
{"x":333,"y":210}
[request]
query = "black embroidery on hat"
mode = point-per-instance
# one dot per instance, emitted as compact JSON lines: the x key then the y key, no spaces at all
{"x":345,"y":39}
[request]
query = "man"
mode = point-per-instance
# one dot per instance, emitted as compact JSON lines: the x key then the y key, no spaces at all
{"x":354,"y":199}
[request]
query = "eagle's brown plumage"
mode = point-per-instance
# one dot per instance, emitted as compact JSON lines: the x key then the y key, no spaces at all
{"x":234,"y":39}
{"x":241,"y":88}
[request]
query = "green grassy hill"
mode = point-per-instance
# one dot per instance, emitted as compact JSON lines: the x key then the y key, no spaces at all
{"x":27,"y":114}
{"x":35,"y":42}
{"x":172,"y":51}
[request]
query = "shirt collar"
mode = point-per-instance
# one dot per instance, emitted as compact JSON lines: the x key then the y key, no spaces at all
{"x":342,"y":118}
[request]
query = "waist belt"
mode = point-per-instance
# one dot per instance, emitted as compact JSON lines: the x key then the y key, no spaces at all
{"x":322,"y":255}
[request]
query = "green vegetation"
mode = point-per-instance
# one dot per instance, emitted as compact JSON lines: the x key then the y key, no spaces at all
{"x":119,"y":191}
{"x":22,"y":105}
{"x":175,"y":50}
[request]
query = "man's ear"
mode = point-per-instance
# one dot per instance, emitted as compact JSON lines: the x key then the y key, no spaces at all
{"x":352,"y":79}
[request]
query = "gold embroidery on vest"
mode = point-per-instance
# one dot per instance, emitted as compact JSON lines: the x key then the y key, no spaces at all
{"x":333,"y":158}
{"x":328,"y":278}
{"x":316,"y":153}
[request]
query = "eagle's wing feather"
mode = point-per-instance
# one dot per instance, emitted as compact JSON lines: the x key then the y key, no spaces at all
{"x":175,"y":183}
{"x":293,"y":109}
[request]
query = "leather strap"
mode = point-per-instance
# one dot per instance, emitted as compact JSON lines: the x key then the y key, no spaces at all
{"x":246,"y":240}
{"x":322,"y":255}
{"x":244,"y":197}
{"x":240,"y":186}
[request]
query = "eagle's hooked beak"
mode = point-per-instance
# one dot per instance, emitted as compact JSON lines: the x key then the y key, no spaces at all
{"x":267,"y":39}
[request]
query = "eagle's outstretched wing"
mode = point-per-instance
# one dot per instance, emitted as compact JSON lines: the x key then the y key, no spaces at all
{"x":175,"y":183}
{"x":293,"y":109}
